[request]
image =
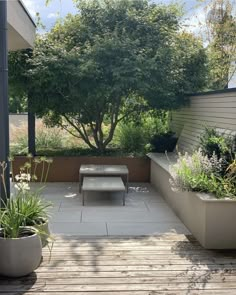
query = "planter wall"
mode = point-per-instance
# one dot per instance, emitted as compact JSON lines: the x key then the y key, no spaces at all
{"x":210,"y":220}
{"x":66,"y":169}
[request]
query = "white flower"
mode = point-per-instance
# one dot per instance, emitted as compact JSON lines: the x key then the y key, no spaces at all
{"x":17,"y":177}
{"x":22,"y":186}
{"x":25,"y":176}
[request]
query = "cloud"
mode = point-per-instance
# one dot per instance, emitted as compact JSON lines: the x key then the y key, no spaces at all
{"x":52,"y":15}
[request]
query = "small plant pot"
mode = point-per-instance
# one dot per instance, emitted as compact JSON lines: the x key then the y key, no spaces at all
{"x":44,"y":232}
{"x":20,"y":256}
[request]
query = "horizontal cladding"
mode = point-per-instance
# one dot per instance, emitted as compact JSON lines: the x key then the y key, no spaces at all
{"x":213,"y":110}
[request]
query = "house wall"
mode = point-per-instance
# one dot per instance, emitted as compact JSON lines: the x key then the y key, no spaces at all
{"x":214,"y":109}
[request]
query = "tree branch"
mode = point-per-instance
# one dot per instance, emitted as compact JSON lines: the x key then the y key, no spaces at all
{"x":83,"y":136}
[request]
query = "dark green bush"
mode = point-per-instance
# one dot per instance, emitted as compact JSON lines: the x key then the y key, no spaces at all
{"x":212,"y":141}
{"x":132,"y":139}
{"x":164,"y":142}
{"x":220,"y":144}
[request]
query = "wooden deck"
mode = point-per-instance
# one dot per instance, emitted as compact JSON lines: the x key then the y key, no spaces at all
{"x":173,"y":264}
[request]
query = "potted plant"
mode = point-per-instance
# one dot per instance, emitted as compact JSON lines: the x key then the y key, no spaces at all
{"x":163,"y":142}
{"x":34,"y":208}
{"x":35,"y":212}
{"x":20,"y":245}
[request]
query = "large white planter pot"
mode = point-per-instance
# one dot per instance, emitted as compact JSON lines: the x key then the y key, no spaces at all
{"x":44,"y":232}
{"x":212,"y":221}
{"x":21,"y":256}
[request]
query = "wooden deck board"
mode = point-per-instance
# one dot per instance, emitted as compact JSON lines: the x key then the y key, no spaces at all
{"x":172,"y":265}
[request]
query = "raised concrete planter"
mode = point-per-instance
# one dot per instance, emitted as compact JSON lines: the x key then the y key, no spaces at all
{"x":66,"y":169}
{"x":210,"y":220}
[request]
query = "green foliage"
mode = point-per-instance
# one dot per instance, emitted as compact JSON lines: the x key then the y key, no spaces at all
{"x":11,"y":219}
{"x":221,"y":144}
{"x":135,"y":133}
{"x":17,"y":104}
{"x":221,"y":33}
{"x":131,"y":138}
{"x":212,"y":169}
{"x":18,"y":63}
{"x":163,"y":142}
{"x":33,"y":208}
{"x":47,"y":137}
{"x":109,"y":60}
{"x":200,"y":173}
{"x":24,"y":210}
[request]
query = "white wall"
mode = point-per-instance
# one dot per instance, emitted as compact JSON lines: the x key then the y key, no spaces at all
{"x":215,"y":109}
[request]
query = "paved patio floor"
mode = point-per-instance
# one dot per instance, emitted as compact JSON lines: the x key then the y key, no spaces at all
{"x":145,"y":212}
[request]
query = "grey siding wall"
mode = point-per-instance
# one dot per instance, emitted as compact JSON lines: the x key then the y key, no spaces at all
{"x":213,"y":109}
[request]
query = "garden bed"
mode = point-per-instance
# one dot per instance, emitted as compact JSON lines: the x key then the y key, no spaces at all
{"x":210,"y":220}
{"x":66,"y":169}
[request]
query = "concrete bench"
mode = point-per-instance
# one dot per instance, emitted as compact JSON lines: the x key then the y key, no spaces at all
{"x":103,"y":170}
{"x":103,"y":184}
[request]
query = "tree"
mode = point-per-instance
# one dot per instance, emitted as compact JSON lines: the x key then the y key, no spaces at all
{"x":17,"y":81}
{"x":220,"y":35}
{"x":20,"y":91}
{"x":110,"y":60}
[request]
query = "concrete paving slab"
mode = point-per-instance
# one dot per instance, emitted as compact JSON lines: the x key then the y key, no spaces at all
{"x":66,"y":216}
{"x":77,"y":228}
{"x":145,"y":228}
{"x":119,"y":216}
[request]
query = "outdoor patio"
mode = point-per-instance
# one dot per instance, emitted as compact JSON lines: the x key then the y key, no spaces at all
{"x":106,"y":248}
{"x":145,"y":212}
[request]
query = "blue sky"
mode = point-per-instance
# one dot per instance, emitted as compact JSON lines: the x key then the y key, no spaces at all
{"x":49,"y":13}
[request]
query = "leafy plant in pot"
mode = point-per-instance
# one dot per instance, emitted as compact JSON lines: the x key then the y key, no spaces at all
{"x":163,"y":142}
{"x":34,"y":208}
{"x":34,"y":211}
{"x":20,"y":245}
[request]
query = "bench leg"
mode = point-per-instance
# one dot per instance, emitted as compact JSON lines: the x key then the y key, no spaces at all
{"x":123,"y":198}
{"x":83,"y":198}
{"x":80,"y":183}
{"x":127,"y":183}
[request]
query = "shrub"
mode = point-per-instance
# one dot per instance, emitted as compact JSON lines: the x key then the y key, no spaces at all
{"x":154,"y":122}
{"x":221,"y":144}
{"x":131,"y":138}
{"x":202,"y":173}
{"x":212,"y":141}
{"x":134,"y":135}
{"x":164,"y":142}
